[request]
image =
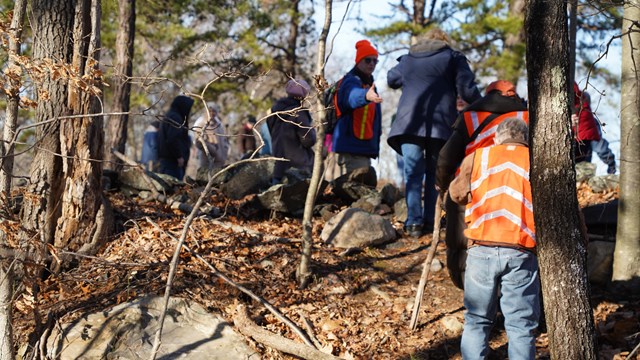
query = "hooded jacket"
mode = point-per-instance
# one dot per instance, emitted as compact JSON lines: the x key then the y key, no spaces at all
{"x":289,"y":140}
{"x":173,"y":136}
{"x":431,"y":76}
{"x":453,"y":151}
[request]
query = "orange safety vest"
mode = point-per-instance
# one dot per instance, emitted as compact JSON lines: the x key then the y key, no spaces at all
{"x":473,"y":119}
{"x":501,"y":209}
{"x":363,"y":120}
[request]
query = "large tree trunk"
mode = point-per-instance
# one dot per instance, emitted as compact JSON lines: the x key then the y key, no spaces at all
{"x":560,"y":236}
{"x":118,"y":124}
{"x":53,"y":22}
{"x":81,"y":226}
{"x":303,"y":273}
{"x":64,"y":205}
{"x":626,"y":260}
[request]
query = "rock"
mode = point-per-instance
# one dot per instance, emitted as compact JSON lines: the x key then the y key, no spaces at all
{"x":369,"y":203}
{"x":247,"y":178}
{"x":291,"y":195}
{"x":325,"y":211}
{"x":436,"y":266}
{"x":452,"y":324}
{"x":600,"y":184}
{"x":390,"y":194}
{"x":366,"y":176}
{"x":355,"y":228}
{"x":600,"y":261}
{"x":131,"y":178}
{"x":128,"y":330}
{"x":352,"y":191}
{"x":400,"y":210}
{"x":585,"y":170}
{"x":601,"y":220}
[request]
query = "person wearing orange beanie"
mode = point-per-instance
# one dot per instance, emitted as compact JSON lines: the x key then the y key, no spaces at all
{"x":356,"y":137}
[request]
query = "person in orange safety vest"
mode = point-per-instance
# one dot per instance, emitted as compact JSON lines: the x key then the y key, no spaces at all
{"x":501,"y":263}
{"x":474,"y":129}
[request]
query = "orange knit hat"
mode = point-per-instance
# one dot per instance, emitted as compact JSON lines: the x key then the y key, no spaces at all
{"x":364,"y":49}
{"x":505,"y":87}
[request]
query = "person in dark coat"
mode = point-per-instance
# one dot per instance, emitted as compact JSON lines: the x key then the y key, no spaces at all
{"x":292,"y":135}
{"x":431,"y":76}
{"x":174,"y":142}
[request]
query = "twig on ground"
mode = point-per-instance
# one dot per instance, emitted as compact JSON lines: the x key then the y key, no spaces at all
{"x":257,"y":333}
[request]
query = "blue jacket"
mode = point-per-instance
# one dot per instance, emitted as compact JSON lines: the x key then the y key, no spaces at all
{"x":431,"y":76}
{"x":351,"y":96}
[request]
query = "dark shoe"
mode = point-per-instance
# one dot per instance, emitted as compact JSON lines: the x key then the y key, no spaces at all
{"x":414,"y":231}
{"x":427,"y":228}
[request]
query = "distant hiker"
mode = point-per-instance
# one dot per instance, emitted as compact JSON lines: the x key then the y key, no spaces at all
{"x":247,"y":141}
{"x":210,"y":148}
{"x":585,"y":127}
{"x":501,"y":264}
{"x":292,"y":133}
{"x":356,"y":137}
{"x":174,"y":142}
{"x":149,"y":156}
{"x":430,"y":75}
{"x":474,"y":129}
{"x":601,"y":147}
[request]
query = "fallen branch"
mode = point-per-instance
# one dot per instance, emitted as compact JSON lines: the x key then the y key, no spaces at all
{"x":243,"y":289}
{"x":249,"y":328}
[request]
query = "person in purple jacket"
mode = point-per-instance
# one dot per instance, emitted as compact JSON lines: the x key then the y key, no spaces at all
{"x":432,"y":75}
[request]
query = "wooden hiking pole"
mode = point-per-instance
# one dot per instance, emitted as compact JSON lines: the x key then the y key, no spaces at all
{"x":426,"y":267}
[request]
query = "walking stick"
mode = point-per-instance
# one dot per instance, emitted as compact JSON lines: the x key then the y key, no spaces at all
{"x":426,"y":267}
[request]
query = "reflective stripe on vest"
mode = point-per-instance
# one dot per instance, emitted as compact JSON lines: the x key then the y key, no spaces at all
{"x":473,"y":119}
{"x":363,"y":121}
{"x":501,"y":209}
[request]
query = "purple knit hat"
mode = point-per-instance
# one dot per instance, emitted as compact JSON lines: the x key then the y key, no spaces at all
{"x":297,"y":88}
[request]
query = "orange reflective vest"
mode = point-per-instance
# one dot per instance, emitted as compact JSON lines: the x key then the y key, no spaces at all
{"x":501,"y":208}
{"x":473,"y":120}
{"x":363,"y":120}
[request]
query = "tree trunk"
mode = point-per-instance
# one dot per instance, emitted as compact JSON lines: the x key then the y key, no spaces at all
{"x":64,"y":205}
{"x":53,"y":22}
{"x":418,"y":18}
{"x":6,"y":171}
{"x":13,"y":100}
{"x":303,"y":274}
{"x":118,"y":125}
{"x":514,"y":45}
{"x":560,"y":237}
{"x":626,"y":259}
{"x":292,"y":40}
{"x":81,"y":226}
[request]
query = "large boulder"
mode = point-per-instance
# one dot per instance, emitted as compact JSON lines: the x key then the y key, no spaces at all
{"x":127,"y":331}
{"x":356,"y":228}
{"x":600,"y":261}
{"x":247,"y":178}
{"x":131,"y":179}
{"x":604,"y":183}
{"x":585,"y":170}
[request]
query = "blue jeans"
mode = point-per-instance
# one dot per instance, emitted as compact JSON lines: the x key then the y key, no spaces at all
{"x":420,"y":164}
{"x":513,"y":273}
{"x":601,"y":147}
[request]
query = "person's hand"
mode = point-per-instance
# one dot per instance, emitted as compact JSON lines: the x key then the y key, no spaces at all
{"x":373,"y":96}
{"x":574,"y":120}
{"x":180,"y":162}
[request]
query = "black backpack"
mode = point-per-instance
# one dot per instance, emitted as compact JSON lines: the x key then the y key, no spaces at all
{"x":330,"y":101}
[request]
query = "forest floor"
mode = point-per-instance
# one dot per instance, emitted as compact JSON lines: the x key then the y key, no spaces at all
{"x":358,"y":305}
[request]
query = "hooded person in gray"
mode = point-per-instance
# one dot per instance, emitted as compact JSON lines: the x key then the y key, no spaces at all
{"x":431,"y":76}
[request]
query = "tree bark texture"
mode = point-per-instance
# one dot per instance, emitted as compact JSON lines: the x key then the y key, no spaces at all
{"x":292,"y":40}
{"x":53,"y":22}
{"x":13,"y":99}
{"x":65,"y":206}
{"x":560,"y":237}
{"x":81,"y":226}
{"x":118,"y":125}
{"x":303,"y":274}
{"x":626,"y":261}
